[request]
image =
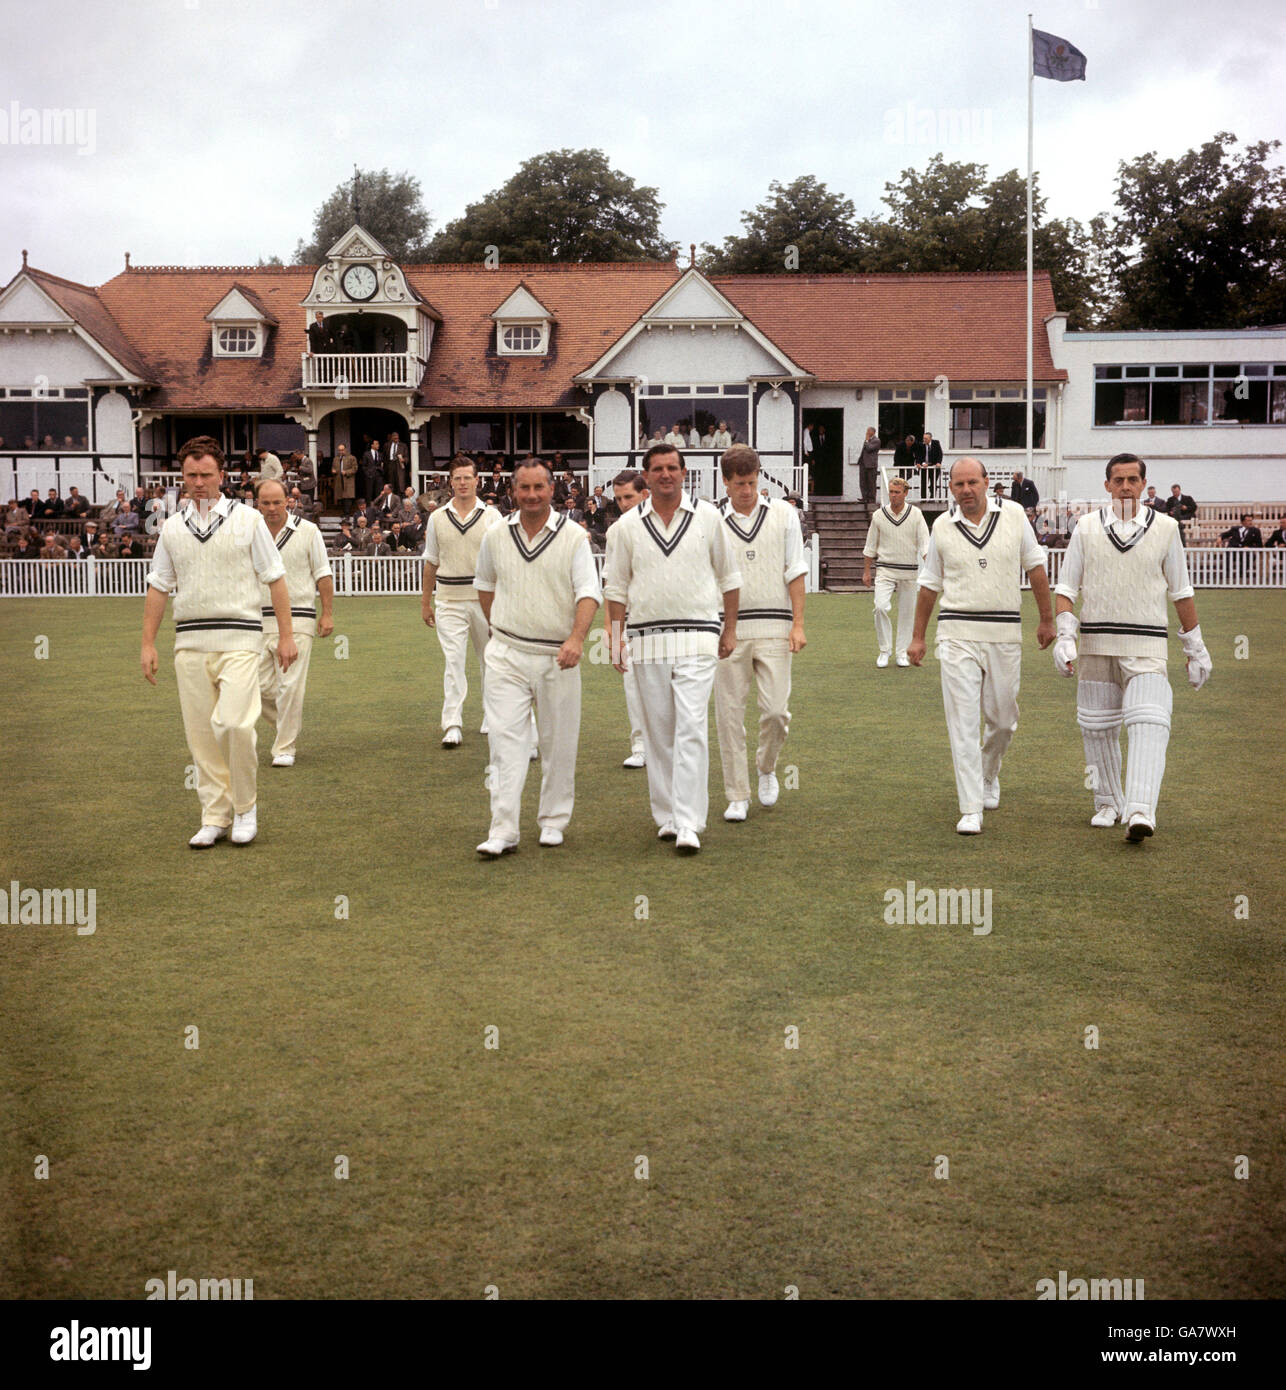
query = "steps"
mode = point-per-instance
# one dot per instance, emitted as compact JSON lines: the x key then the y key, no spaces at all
{"x":841,"y":527}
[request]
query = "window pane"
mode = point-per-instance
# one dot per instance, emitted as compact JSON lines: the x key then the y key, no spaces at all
{"x":1254,"y":369}
{"x":563,"y":432}
{"x":1109,"y":403}
{"x":1165,"y":371}
{"x":45,"y":424}
{"x":281,"y":436}
{"x":1197,"y":369}
{"x":1165,"y":403}
{"x":1255,"y":407}
{"x":1111,"y":373}
{"x":1011,"y":426}
{"x":1227,"y":369}
{"x":480,"y":432}
{"x":522,"y":434}
{"x":1138,"y":371}
{"x":1193,"y":404}
{"x":898,"y":419}
{"x":1226,"y":404}
{"x":1278,"y":416}
{"x":658,"y":418}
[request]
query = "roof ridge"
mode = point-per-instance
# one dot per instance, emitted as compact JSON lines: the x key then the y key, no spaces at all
{"x":60,"y":279}
{"x":859,"y":276}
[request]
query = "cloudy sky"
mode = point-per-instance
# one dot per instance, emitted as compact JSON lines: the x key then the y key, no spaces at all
{"x":211,"y":130}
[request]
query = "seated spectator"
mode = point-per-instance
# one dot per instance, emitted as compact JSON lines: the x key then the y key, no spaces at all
{"x":707,"y":439}
{"x":675,"y":437}
{"x":48,"y":444}
{"x":108,"y":547}
{"x":1043,"y":534}
{"x":723,"y":436}
{"x":16,"y":518}
{"x":361,"y":532}
{"x":290,"y":470}
{"x":35,"y":507}
{"x":393,"y":538}
{"x":53,"y":503}
{"x":1278,"y":537}
{"x":90,"y":534}
{"x":377,"y":545}
{"x":25,"y":549}
{"x":131,"y":548}
{"x":77,"y":549}
{"x":126,"y":520}
{"x":344,"y":542}
{"x":53,"y":547}
{"x":1244,"y":537}
{"x":595,"y":516}
{"x":75,"y":505}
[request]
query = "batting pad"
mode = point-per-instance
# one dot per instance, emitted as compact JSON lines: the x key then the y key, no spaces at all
{"x":1146,"y":714}
{"x":1098,"y":712}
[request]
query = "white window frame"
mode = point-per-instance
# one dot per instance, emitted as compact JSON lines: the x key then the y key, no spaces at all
{"x":254,"y":329}
{"x":542,"y":340}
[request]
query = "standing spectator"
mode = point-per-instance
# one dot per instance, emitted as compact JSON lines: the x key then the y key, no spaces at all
{"x":868,"y":463}
{"x":928,"y":459}
{"x":723,"y":436}
{"x":269,"y":466}
{"x":1153,"y":501}
{"x":345,"y":474}
{"x":1182,"y":507}
{"x":904,"y":457}
{"x":1023,"y":491}
{"x":372,"y":477}
{"x":397,"y":469}
{"x":319,"y":339}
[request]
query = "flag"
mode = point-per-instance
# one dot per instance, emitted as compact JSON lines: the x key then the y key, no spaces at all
{"x":1056,"y":58}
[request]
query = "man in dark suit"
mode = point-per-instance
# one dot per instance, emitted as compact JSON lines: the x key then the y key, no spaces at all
{"x":319,"y":339}
{"x":1023,"y":491}
{"x":904,"y":457}
{"x":1180,"y":506}
{"x":1278,"y":538}
{"x":1243,"y":537}
{"x":928,"y":459}
{"x":398,"y":465}
{"x":372,"y":476}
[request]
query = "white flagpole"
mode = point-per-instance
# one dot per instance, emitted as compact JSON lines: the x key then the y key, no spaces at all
{"x":1031,"y":79}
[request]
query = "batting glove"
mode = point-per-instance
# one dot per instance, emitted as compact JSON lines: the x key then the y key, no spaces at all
{"x":1065,"y":644}
{"x":1199,"y":663}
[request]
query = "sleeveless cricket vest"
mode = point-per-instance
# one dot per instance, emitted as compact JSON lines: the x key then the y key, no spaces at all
{"x":896,"y":544}
{"x":981,"y":586}
{"x":534,"y":609}
{"x":217,"y":597}
{"x":458,"y":546}
{"x":294,"y":544}
{"x":759,"y":543}
{"x":1124,"y":588}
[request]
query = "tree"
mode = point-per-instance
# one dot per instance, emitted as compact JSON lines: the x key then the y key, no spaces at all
{"x":950,"y":217}
{"x":1199,"y":241}
{"x":802,"y":226}
{"x":565,"y":205}
{"x":391,"y":209}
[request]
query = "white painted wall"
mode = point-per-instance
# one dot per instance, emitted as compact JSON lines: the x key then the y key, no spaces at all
{"x":1213,"y":463}
{"x":61,"y":358}
{"x":113,"y":427}
{"x":684,"y":354}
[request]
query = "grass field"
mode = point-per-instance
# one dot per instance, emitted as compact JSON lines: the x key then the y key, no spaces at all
{"x":621,"y":1035}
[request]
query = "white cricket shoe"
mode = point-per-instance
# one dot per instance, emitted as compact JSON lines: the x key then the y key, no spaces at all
{"x":667,"y":832}
{"x":244,"y":827}
{"x":970,"y":824}
{"x":493,"y":849}
{"x":737,"y":810}
{"x":451,"y":739}
{"x":686,"y":842}
{"x":551,"y":837}
{"x":535,"y":752}
{"x":283,"y":760}
{"x":484,"y":729}
{"x":1140,"y":827}
{"x":635,"y":760}
{"x":882,"y":660}
{"x":768,"y":789}
{"x":1104,"y":816}
{"x":991,"y":794}
{"x":903,"y":659}
{"x":208,"y":835}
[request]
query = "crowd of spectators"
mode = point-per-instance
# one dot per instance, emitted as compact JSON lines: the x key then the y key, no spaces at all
{"x":46,"y":444}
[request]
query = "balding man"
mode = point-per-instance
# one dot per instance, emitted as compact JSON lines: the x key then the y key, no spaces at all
{"x":977,"y":552}
{"x":303,"y":552}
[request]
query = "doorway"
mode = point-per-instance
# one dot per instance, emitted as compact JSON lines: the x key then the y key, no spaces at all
{"x":827,"y":427}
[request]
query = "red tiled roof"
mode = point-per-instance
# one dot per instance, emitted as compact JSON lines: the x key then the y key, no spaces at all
{"x":591,"y":306}
{"x":162,"y":311}
{"x":82,"y":303}
{"x":901,"y":328}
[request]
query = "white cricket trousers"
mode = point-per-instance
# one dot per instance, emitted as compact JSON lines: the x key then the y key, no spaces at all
{"x":634,"y":709}
{"x":219,"y":697}
{"x":906,"y":590}
{"x":517,"y":684}
{"x":458,"y":622}
{"x":281,"y":693}
{"x":767,"y":659}
{"x":675,"y":700}
{"x":978,"y":678}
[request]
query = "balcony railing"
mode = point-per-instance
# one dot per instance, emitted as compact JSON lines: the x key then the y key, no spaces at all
{"x":344,"y":371}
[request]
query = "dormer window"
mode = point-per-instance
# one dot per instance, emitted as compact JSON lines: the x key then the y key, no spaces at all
{"x":522,"y":324}
{"x":523,"y":337}
{"x":237,"y":342}
{"x":239,"y":324}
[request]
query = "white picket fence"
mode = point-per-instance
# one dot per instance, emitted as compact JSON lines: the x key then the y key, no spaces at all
{"x":389,"y":575}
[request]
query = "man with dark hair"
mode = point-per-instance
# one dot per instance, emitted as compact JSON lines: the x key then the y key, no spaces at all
{"x":1178,"y":505}
{"x":977,"y":554}
{"x":539,"y":589}
{"x":629,"y":488}
{"x":213,"y":556}
{"x":768,"y":547}
{"x":1244,"y":537}
{"x":452,"y":539}
{"x":928,"y":461}
{"x":668,"y":562}
{"x":1124,"y":560}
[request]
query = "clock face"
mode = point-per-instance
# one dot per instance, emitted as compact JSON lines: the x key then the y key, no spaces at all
{"x":359,"y":282}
